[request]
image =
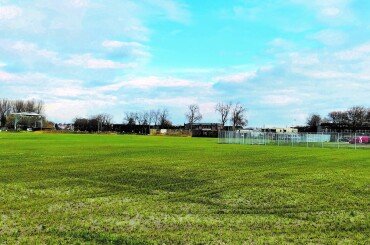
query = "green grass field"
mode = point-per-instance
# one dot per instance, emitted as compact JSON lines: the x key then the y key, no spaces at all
{"x":141,"y":189}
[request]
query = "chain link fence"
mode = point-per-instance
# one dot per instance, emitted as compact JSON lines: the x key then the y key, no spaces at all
{"x":323,"y":140}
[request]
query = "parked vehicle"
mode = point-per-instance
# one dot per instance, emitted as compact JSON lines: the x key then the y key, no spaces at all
{"x":360,"y":140}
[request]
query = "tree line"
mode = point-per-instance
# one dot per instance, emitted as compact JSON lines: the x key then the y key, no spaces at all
{"x":97,"y":123}
{"x":159,"y":118}
{"x":7,"y":107}
{"x":143,"y":121}
{"x":140,"y":121}
{"x":235,"y":113}
{"x":355,"y":118}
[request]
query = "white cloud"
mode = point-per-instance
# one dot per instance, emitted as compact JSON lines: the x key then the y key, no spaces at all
{"x":155,"y":82}
{"x":7,"y":77}
{"x":281,"y":43}
{"x":133,"y":49}
{"x":78,"y":3}
{"x":112,"y":44}
{"x":330,"y":37}
{"x":236,"y":78}
{"x":67,"y":109}
{"x":300,"y":59}
{"x":27,"y":54}
{"x":123,"y":18}
{"x":9,"y":12}
{"x":89,"y":62}
{"x":360,"y":52}
{"x":329,"y":10}
{"x":25,"y":48}
{"x":167,"y":101}
{"x":64,"y":98}
{"x":173,"y":10}
{"x":280,"y":100}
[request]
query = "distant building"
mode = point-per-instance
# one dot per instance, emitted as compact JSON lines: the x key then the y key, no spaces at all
{"x":64,"y":126}
{"x":280,"y":130}
{"x":334,"y":128}
{"x":203,"y":129}
{"x":203,"y":126}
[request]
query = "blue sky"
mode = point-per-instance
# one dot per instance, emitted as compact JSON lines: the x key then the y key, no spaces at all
{"x":282,"y":59}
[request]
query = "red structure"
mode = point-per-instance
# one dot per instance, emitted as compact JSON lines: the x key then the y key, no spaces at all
{"x":360,"y":140}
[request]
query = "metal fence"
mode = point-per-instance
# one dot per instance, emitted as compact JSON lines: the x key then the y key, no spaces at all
{"x":328,"y":140}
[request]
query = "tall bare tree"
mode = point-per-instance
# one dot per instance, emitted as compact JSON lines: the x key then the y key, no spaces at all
{"x":19,"y":106}
{"x":5,"y":108}
{"x":223,"y":109}
{"x":29,"y":105}
{"x":142,"y":120}
{"x":314,"y":121}
{"x":338,"y":118}
{"x":193,"y":115}
{"x":151,"y":117}
{"x":238,"y":116}
{"x":164,"y":121}
{"x":39,"y":107}
{"x":357,"y":116}
{"x":131,"y":118}
{"x":104,"y":121}
{"x":156,"y":114}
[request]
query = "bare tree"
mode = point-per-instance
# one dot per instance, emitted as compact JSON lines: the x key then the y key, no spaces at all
{"x":338,"y":118}
{"x":5,"y":107}
{"x":164,"y":121}
{"x":151,"y":117}
{"x":131,"y":118}
{"x":39,"y":107}
{"x":238,"y":117}
{"x":223,"y":109}
{"x":313,"y":121}
{"x":155,"y":115}
{"x":193,"y":115}
{"x":104,"y":121}
{"x":19,"y":106}
{"x":106,"y":118}
{"x":81,"y":124}
{"x":357,"y":116}
{"x":142,"y":118}
{"x":29,"y":105}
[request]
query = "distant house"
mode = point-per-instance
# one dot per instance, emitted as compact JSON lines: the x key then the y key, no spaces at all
{"x":280,"y":130}
{"x":64,"y":126}
{"x":203,"y":126}
{"x":204,"y":129}
{"x":335,"y":128}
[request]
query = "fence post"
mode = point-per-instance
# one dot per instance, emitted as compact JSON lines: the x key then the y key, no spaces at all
{"x":338,"y":140}
{"x":291,"y":139}
{"x":265,"y":138}
{"x":322,"y":140}
{"x":307,"y":140}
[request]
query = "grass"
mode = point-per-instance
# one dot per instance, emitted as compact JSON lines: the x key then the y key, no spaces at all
{"x":145,"y":190}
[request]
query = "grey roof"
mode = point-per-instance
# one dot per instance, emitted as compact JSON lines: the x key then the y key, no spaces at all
{"x":28,"y":114}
